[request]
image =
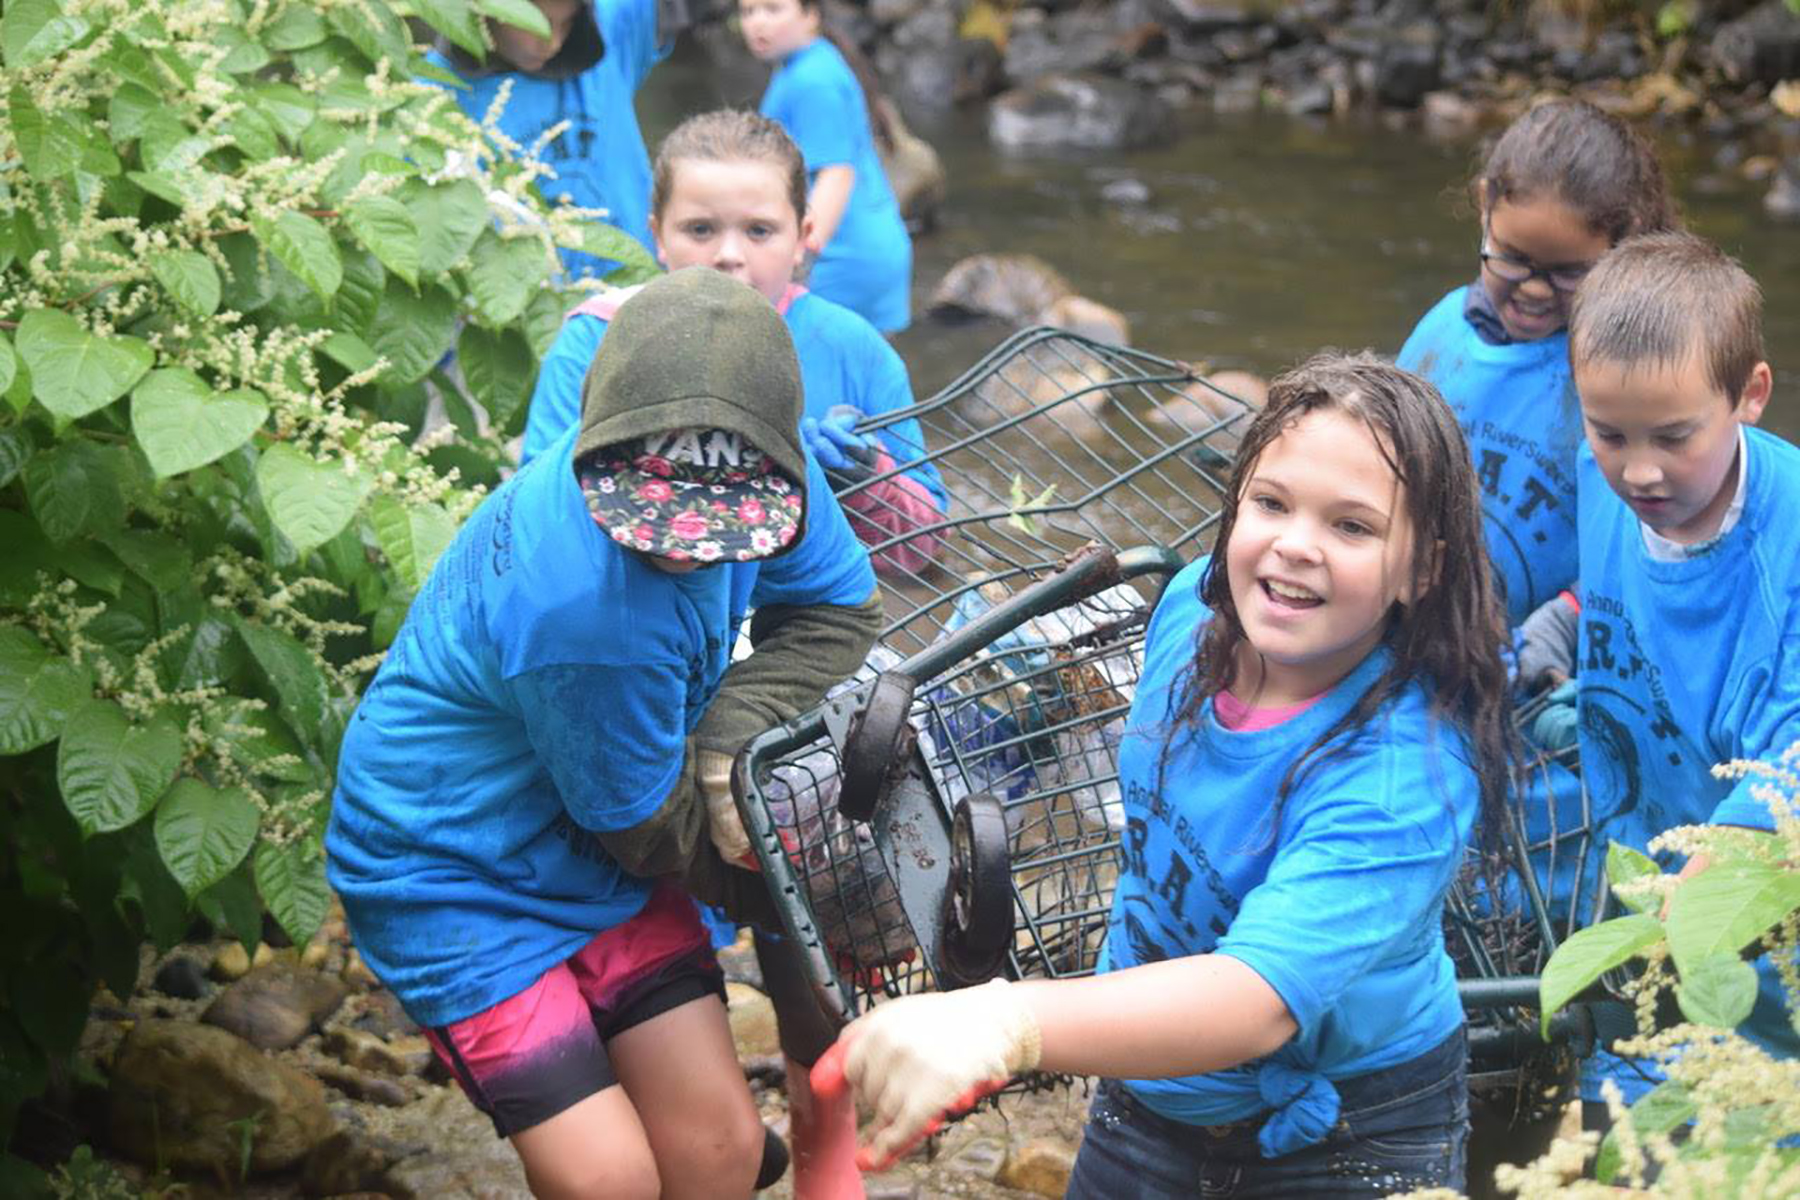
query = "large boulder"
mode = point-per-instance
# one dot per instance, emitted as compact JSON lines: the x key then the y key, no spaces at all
{"x":276,"y":1005}
{"x":1025,"y":290}
{"x":1762,"y":46}
{"x":194,"y":1097}
{"x":1086,"y":111}
{"x":914,"y":172}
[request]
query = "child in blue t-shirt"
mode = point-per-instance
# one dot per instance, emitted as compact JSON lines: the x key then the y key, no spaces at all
{"x":729,"y":193}
{"x":546,"y":749}
{"x":1562,"y":184}
{"x":824,"y":94}
{"x":1689,"y":650}
{"x":1321,"y":717}
{"x":587,"y":74}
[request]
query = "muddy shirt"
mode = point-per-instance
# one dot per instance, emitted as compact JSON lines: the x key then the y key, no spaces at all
{"x":1519,"y":412}
{"x":1686,"y":664}
{"x":540,"y":690}
{"x":599,"y":158}
{"x":867,"y":266}
{"x":1338,"y":907}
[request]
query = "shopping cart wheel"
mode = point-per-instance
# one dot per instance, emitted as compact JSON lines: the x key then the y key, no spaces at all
{"x":877,"y":741}
{"x":978,"y":907}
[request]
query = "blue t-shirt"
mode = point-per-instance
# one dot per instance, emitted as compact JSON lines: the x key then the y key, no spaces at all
{"x":1522,"y":419}
{"x":1340,"y":911}
{"x":867,"y":265}
{"x":842,"y":361}
{"x":1687,"y":664}
{"x":600,"y":160}
{"x":540,"y":690}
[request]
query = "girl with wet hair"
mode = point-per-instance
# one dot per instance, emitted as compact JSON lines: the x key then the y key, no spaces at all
{"x":1564,"y":183}
{"x":1320,"y":724}
{"x":824,"y":94}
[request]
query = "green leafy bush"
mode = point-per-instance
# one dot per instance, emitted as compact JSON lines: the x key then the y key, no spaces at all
{"x":1737,"y":1109}
{"x":238,"y":242}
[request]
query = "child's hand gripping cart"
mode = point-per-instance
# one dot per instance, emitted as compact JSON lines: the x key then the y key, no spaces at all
{"x":901,"y":857}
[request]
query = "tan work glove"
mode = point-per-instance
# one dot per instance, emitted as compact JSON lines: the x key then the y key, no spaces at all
{"x":722,"y":820}
{"x":917,"y":1060}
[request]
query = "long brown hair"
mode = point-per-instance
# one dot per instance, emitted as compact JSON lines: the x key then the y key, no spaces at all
{"x":1448,"y":639}
{"x":1569,"y":151}
{"x":864,"y":70}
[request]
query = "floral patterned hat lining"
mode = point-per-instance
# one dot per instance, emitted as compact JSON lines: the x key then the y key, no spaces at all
{"x":704,"y":495}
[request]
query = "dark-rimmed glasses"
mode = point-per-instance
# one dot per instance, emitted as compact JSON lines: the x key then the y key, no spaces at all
{"x":1562,"y":277}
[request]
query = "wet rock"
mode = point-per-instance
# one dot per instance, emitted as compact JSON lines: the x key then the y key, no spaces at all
{"x":915,"y":173}
{"x":356,"y":973}
{"x":1089,"y":319}
{"x":752,"y":1019}
{"x":1202,"y":16}
{"x":896,"y":1185}
{"x":892,"y":12}
{"x":1310,"y":99}
{"x":1041,"y":1168}
{"x":380,"y":1013}
{"x":1077,"y":41}
{"x":1449,"y":112}
{"x":765,"y":1070}
{"x":351,"y":1161}
{"x":276,"y":1005}
{"x":1762,"y":46}
{"x":1238,"y":94}
{"x":1408,"y":66}
{"x":466,"y":1159}
{"x":1126,"y":191}
{"x":192,"y":1096}
{"x":181,"y":977}
{"x":738,"y":961}
{"x":366,"y":1052}
{"x":231,"y":962}
{"x":1078,"y":111}
{"x":1013,"y":287}
{"x":981,"y":1158}
{"x":1783,"y":199}
{"x":978,"y":70}
{"x":360,"y":1085}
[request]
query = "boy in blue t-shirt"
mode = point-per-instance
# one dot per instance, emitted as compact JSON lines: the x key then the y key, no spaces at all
{"x":546,"y":750}
{"x":1689,"y":651}
{"x":586,"y":74}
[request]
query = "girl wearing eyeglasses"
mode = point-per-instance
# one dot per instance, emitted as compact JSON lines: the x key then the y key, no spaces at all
{"x":1564,"y":184}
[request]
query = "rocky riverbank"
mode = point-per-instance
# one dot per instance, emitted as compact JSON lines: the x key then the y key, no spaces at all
{"x":291,"y":1072}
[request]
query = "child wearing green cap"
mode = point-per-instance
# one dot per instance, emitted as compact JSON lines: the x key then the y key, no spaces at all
{"x":542,"y":759}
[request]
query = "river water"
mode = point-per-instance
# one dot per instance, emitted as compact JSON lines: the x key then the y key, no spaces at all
{"x":1264,"y":237}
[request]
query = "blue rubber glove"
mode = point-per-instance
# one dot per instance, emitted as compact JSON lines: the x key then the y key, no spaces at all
{"x":1556,"y":728}
{"x":834,"y":440}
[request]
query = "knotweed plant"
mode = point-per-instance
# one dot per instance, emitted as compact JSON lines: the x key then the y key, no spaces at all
{"x":246,"y":246}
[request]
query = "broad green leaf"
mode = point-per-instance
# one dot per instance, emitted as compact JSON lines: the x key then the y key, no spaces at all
{"x":168,"y":144}
{"x":111,"y":771}
{"x":74,"y":372}
{"x":521,"y":14}
{"x":245,"y":55}
{"x":1725,"y":908}
{"x":287,"y":107}
{"x":35,"y":30}
{"x":39,"y":691}
{"x":291,"y":878}
{"x":382,"y":224}
{"x":30,"y":559}
{"x":449,"y":216}
{"x":253,"y":133}
{"x":503,"y":273}
{"x":359,"y":296}
{"x":48,"y":144}
{"x":15,"y":448}
{"x":456,"y":20}
{"x":1718,"y":991}
{"x":297,"y":27}
{"x":9,"y":363}
{"x":129,"y":109}
{"x":412,"y":331}
{"x":148,"y":885}
{"x":411,"y":535}
{"x":97,"y":155}
{"x":164,"y":187}
{"x":498,"y":368}
{"x":231,"y":905}
{"x":348,"y":351}
{"x":1623,"y":865}
{"x":1662,"y":1109}
{"x":93,"y":565}
{"x":372,"y":29}
{"x":303,"y":246}
{"x":258,"y":741}
{"x":208,"y":656}
{"x":609,"y":241}
{"x":73,"y":489}
{"x":190,"y":277}
{"x":181,"y":423}
{"x":203,"y":833}
{"x":1588,"y":954}
{"x":309,"y":501}
{"x":248,"y":286}
{"x":160,"y":559}
{"x":293,"y":674}
{"x":389,"y":617}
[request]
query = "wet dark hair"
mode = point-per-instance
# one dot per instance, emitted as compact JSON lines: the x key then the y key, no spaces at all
{"x":1655,"y":299}
{"x":728,"y":135}
{"x":1448,"y":639}
{"x":864,"y":70}
{"x":1570,"y":151}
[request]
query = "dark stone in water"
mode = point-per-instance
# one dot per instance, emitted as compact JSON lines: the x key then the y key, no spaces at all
{"x":275,"y":1006}
{"x":1762,"y":46}
{"x":181,"y":977}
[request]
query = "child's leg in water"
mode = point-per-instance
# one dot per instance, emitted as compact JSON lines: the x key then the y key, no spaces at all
{"x":681,"y":1072}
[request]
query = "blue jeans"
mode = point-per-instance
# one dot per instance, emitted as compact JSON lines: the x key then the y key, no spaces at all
{"x":1401,"y":1128}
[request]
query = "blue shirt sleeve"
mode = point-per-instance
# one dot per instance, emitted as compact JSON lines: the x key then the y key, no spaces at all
{"x":556,"y":399}
{"x":829,"y":566}
{"x":1768,"y":718}
{"x":612,"y":736}
{"x":629,"y":27}
{"x":1370,"y":845}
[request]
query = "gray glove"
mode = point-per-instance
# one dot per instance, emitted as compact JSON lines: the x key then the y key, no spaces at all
{"x":1547,"y":655}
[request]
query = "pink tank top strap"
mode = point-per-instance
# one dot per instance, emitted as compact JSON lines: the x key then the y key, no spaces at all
{"x":794,"y":292}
